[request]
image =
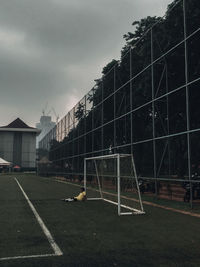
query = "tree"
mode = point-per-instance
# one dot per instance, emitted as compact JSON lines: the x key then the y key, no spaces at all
{"x":134,"y":72}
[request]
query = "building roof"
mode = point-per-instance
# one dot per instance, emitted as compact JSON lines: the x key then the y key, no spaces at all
{"x":4,"y":162}
{"x":19,"y":126}
{"x":18,"y":123}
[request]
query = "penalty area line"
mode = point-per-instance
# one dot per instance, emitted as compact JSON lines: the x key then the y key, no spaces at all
{"x":52,"y":242}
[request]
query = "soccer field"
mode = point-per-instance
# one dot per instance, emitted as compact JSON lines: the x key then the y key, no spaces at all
{"x":37,"y":229}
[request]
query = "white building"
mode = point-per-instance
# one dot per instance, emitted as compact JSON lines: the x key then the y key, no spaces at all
{"x":18,"y":144}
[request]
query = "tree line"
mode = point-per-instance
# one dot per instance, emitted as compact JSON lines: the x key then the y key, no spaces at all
{"x":143,"y":97}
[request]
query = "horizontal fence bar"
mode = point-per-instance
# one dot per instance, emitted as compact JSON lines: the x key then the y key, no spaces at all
{"x":128,"y":177}
{"x":111,"y":156}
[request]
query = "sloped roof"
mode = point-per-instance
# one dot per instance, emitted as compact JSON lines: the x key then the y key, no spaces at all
{"x":19,"y":126}
{"x":3,"y":162}
{"x":18,"y":123}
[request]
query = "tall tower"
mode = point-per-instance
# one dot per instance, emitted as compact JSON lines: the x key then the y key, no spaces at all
{"x":45,"y":125}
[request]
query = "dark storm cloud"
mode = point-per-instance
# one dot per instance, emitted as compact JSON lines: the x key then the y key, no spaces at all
{"x":52,"y":50}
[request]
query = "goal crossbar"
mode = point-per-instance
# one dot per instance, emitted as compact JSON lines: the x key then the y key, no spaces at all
{"x":118,"y":203}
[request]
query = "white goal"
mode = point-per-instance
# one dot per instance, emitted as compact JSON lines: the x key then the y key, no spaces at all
{"x":112,"y":178}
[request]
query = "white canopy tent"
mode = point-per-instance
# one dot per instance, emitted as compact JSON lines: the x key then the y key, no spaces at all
{"x":3,"y":162}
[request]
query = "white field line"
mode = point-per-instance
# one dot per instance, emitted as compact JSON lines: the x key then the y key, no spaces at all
{"x":135,"y":211}
{"x":55,"y":247}
{"x":27,"y":257}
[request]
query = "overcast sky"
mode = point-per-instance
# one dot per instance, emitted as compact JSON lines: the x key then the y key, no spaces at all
{"x":53,"y":50}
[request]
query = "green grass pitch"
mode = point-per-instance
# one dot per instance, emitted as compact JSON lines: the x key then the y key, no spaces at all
{"x":89,"y":233}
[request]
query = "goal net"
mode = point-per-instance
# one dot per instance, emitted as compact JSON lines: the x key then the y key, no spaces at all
{"x":112,"y":178}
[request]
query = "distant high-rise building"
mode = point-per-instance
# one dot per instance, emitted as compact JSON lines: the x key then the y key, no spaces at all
{"x":45,"y":125}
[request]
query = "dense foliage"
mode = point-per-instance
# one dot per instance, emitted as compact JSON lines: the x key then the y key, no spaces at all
{"x":143,"y":96}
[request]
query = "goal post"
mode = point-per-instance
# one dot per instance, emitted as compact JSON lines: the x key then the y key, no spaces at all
{"x":113,"y":178}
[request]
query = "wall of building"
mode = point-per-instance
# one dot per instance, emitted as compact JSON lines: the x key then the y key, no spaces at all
{"x":28,"y":150}
{"x":6,"y":146}
{"x":18,"y":148}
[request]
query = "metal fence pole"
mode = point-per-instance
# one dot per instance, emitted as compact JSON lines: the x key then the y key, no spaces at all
{"x":187,"y":100}
{"x":102,"y":120}
{"x":131,"y":100}
{"x":153,"y":113}
{"x":118,"y":184}
{"x":114,"y":137}
{"x":85,"y":115}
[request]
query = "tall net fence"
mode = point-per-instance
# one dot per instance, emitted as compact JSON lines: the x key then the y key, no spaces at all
{"x":147,"y":103}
